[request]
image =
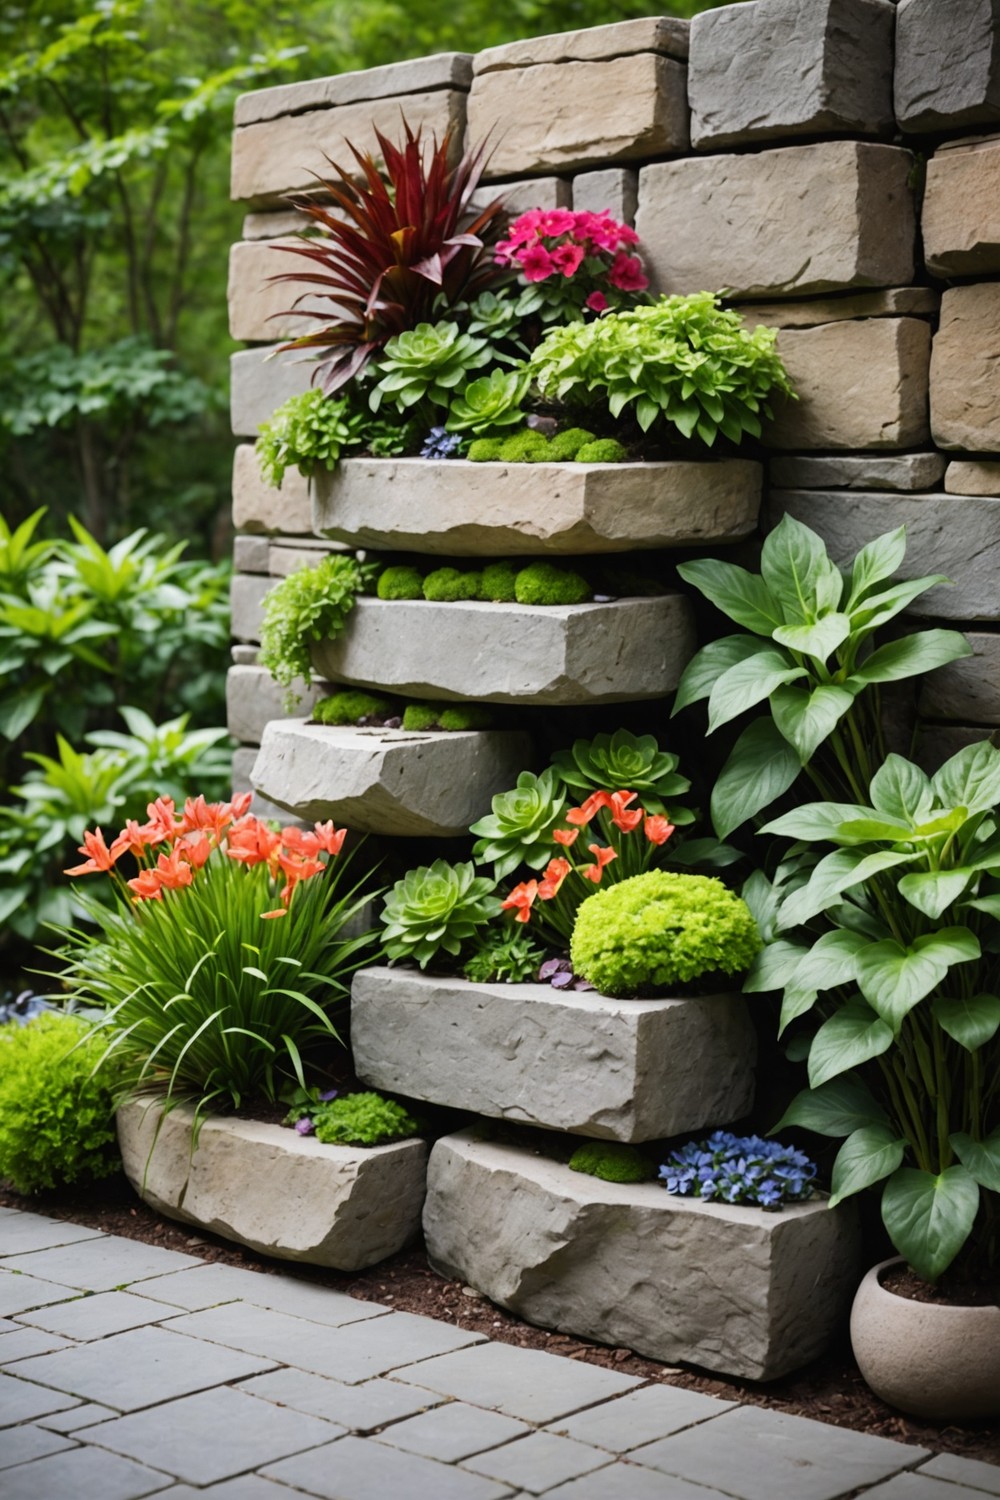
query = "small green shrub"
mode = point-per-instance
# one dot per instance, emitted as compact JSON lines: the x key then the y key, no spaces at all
{"x":351,"y":706}
{"x":504,"y":955}
{"x":57,"y":1121}
{"x":659,"y":929}
{"x":565,"y":445}
{"x":603,"y":451}
{"x":420,"y":717}
{"x":307,"y":432}
{"x":363,"y":1120}
{"x":485,"y":450}
{"x":499,"y":581}
{"x":311,"y":604}
{"x":543,"y":583}
{"x":527,"y":447}
{"x":436,"y":908}
{"x":400,"y":583}
{"x":448,"y":585}
{"x":612,"y":1162}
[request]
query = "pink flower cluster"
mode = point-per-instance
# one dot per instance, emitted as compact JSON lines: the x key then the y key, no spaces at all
{"x":555,"y":242}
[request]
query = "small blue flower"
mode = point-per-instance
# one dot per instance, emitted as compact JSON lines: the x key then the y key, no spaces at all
{"x":440,"y":443}
{"x":739,"y":1169}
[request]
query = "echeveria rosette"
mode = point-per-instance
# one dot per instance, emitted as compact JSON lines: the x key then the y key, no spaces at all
{"x":519,"y":829}
{"x":739,"y":1169}
{"x":491,"y":402}
{"x":625,"y":761}
{"x":435,"y":909}
{"x":427,"y":364}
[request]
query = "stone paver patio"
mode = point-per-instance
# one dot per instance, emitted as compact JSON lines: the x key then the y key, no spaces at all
{"x":128,"y":1370}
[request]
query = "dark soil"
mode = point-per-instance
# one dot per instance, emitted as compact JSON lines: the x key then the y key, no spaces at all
{"x":901,"y":1281}
{"x":831,"y":1390}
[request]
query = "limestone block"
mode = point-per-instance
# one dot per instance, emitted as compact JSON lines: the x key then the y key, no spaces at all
{"x":519,"y":197}
{"x":250,"y":554}
{"x":918,"y":301}
{"x":277,"y":1192}
{"x":860,"y":385}
{"x":614,"y":191}
{"x":794,"y":221}
{"x":246,"y":604}
{"x":965,"y":393}
{"x":968,"y":690}
{"x":273,"y":226}
{"x":259,"y":381}
{"x":417,"y":75}
{"x":958,"y":536}
{"x":276,"y":157}
{"x":261,"y":309}
{"x":561,"y":115}
{"x":388,"y":781}
{"x":304,"y":552}
{"x":664,"y":34}
{"x":961,"y":212}
{"x":947,"y":64}
{"x":513,"y":653}
{"x":244,"y":656}
{"x":733,"y":1289}
{"x":937,"y":743}
{"x":967,"y":477}
{"x":623,"y":1070}
{"x":243,"y":759}
{"x":258,"y":506}
{"x":778,"y":68}
{"x":253,"y":699}
{"x":492,"y":509}
{"x":867,"y":471}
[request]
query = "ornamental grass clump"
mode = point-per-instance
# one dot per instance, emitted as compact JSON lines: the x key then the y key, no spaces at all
{"x":739,"y":1169}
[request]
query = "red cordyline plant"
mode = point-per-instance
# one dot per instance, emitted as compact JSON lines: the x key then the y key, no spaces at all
{"x":397,"y":250}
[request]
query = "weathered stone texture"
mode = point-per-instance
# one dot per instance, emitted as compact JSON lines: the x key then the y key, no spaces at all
{"x":554,"y":655}
{"x":259,"y":507}
{"x":244,"y":656}
{"x":968,"y":690}
{"x":387,"y":781}
{"x":572,"y":114}
{"x":614,"y":190}
{"x":795,"y":221}
{"x":624,"y":1070}
{"x":456,"y":507}
{"x":307,"y":552}
{"x":664,"y":34}
{"x":947,"y":63}
{"x":519,"y":197}
{"x":260,"y":308}
{"x":250,"y":554}
{"x":737,"y":1290}
{"x":958,"y":536}
{"x":260,"y":381}
{"x":246,"y":604}
{"x":961,"y":212}
{"x":277,"y":1192}
{"x":778,"y":68}
{"x":902,"y":471}
{"x":965,"y":392}
{"x":253,"y":699}
{"x":917,"y":301}
{"x":417,"y":75}
{"x":937,"y":743}
{"x":968,"y":477}
{"x":272,"y":226}
{"x":860,"y":385}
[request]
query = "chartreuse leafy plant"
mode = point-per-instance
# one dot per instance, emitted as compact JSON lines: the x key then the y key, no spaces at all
{"x":365,"y":1119}
{"x":806,"y":655}
{"x":886,"y":949}
{"x":311,"y":604}
{"x":308,"y":432}
{"x":435,"y":910}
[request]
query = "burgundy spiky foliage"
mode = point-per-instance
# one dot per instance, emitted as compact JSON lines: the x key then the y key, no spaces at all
{"x":392,"y":245}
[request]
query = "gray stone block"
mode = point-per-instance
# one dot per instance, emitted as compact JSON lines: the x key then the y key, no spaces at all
{"x":254,"y":699}
{"x":664,"y":34}
{"x":360,"y":1408}
{"x":356,"y":1470}
{"x":416,"y":75}
{"x":286,"y":556}
{"x":937,"y":743}
{"x":624,"y":1070}
{"x":519,"y":197}
{"x":388,"y":781}
{"x":553,"y":656}
{"x":278,"y":1192}
{"x":250,"y":554}
{"x":965,"y":394}
{"x":539,"y":1462}
{"x":641,"y":1417}
{"x":947,"y":64}
{"x":794,"y":222}
{"x":915,"y":301}
{"x":526,"y":1383}
{"x":492,"y":509}
{"x":95,"y":1317}
{"x":966,"y":690}
{"x":84,"y":1473}
{"x":26,"y":1442}
{"x":969,"y":477}
{"x":968,"y":1471}
{"x":453,"y":1431}
{"x":262,"y":310}
{"x":23,"y":1232}
{"x":259,"y":507}
{"x":615,"y":190}
{"x":246,"y":604}
{"x":961,"y":210}
{"x":244,"y":656}
{"x":272,"y":225}
{"x":100,"y":1265}
{"x":867,"y":471}
{"x":733,"y":1289}
{"x":779,"y":68}
{"x":260,"y":381}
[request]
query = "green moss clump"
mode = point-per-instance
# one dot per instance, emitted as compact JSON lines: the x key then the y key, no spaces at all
{"x":525,"y":447}
{"x":543,"y":583}
{"x":499,"y":583}
{"x":363,"y":1120}
{"x":420,"y":716}
{"x":612,"y":1162}
{"x":661,"y":929}
{"x":603,"y":451}
{"x":400,"y":583}
{"x":447,"y":585}
{"x":350,"y":706}
{"x":565,"y":445}
{"x":485,"y":450}
{"x":459,"y":716}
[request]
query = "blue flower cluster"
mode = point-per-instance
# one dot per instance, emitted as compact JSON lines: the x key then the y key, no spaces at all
{"x":439,"y":443}
{"x":739,"y":1169}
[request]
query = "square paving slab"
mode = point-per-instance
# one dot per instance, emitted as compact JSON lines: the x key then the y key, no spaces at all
{"x":210,"y":1285}
{"x":27,"y":1342}
{"x":360,"y":1408}
{"x":356,"y":1469}
{"x":539,"y":1462}
{"x":920,"y":1486}
{"x":642,"y":1416}
{"x":98,"y":1316}
{"x":625,"y":1481}
{"x":21,"y":1233}
{"x":19,"y":1445}
{"x":453,"y":1431}
{"x":968,"y":1471}
{"x":23,"y":1401}
{"x":21,"y":1293}
{"x":100,"y":1265}
{"x":82,"y":1474}
{"x":521,"y":1382}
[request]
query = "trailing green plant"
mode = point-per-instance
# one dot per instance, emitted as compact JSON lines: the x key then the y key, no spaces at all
{"x":308,"y":432}
{"x":312,"y":604}
{"x":57,"y":1114}
{"x":622,"y":762}
{"x":612,"y":1161}
{"x":434,"y":910}
{"x":351,"y":706}
{"x":519,"y":828}
{"x":366,"y":1119}
{"x":450,"y":585}
{"x":490,"y":402}
{"x":504,"y":955}
{"x":545,"y":583}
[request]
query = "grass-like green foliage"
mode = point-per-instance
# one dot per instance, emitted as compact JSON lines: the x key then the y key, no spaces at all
{"x":504,"y":955}
{"x":622,"y":762}
{"x":57,"y":1120}
{"x":544,"y":583}
{"x":660,"y":929}
{"x":498,"y":583}
{"x":492,"y":401}
{"x":307,"y":432}
{"x":403,"y":582}
{"x":311,"y":604}
{"x":450,"y":716}
{"x":564,"y":446}
{"x":435,"y":909}
{"x":350,"y":706}
{"x":612,"y":1161}
{"x":519,"y":828}
{"x":684,"y":361}
{"x":485,"y":450}
{"x":602,"y":451}
{"x":363,"y":1120}
{"x":449,"y":585}
{"x":426,"y":365}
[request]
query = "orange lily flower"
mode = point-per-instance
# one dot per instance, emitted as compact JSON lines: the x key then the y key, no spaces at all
{"x":147,"y":886}
{"x":521,"y":898}
{"x":161,"y":826}
{"x":555,"y":873}
{"x":132,"y":839}
{"x":173,"y":870}
{"x":252,"y":842}
{"x":657,"y":829}
{"x":581,"y":815}
{"x":329,"y":838}
{"x":602,"y":857}
{"x":626,"y":821}
{"x":240,"y":805}
{"x":195,"y":847}
{"x":566,"y":836}
{"x":100,"y":857}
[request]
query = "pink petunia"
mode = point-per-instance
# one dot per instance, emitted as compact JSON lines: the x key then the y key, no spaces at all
{"x":567,"y":258}
{"x":536,"y":263}
{"x":597,"y":302}
{"x":557,"y":221}
{"x":626,"y":273}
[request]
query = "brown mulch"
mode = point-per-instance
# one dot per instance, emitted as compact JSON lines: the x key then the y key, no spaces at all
{"x":830,"y":1390}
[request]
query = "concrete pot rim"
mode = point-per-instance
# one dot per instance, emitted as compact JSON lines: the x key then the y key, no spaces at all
{"x":960,"y":1313}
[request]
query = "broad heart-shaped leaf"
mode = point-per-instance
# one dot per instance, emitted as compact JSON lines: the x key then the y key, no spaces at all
{"x":875,"y":563}
{"x":796,"y":567}
{"x":707,"y":666}
{"x":933,"y":891}
{"x":749,"y":683}
{"x":901,"y":790}
{"x":832,"y":960}
{"x":868,"y":1155}
{"x":929,"y":1218}
{"x":981,"y":1159}
{"x":884,"y":605}
{"x":815,"y":821}
{"x":795,"y":1002}
{"x":853,"y":1035}
{"x":971,"y":779}
{"x":773,"y":967}
{"x":807,"y":718}
{"x":912,"y":655}
{"x":970,"y":1022}
{"x":835,"y":1108}
{"x":894,"y":978}
{"x":742,"y":596}
{"x":760,"y":768}
{"x":818,"y":639}
{"x":835,"y":874}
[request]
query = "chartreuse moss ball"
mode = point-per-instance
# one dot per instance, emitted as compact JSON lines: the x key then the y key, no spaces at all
{"x":542,"y":583}
{"x":602,"y":451}
{"x":351,"y":706}
{"x":400,"y":583}
{"x":612,"y":1162}
{"x":447,"y":585}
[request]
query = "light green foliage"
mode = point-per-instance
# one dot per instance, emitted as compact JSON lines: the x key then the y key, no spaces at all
{"x":485,"y":450}
{"x":504,"y":955}
{"x":57,"y":1123}
{"x":351,"y":705}
{"x":625,"y":762}
{"x":684,"y":361}
{"x":492,"y":401}
{"x":565,"y":445}
{"x":544,"y":583}
{"x":311,"y":604}
{"x":450,"y":716}
{"x":434,"y":910}
{"x":527,"y":447}
{"x":498,"y":583}
{"x":426,"y":365}
{"x":519,"y":828}
{"x":400,"y":583}
{"x":661,"y":929}
{"x":308,"y":432}
{"x":363,"y":1120}
{"x":612,"y":1161}
{"x":603,"y":451}
{"x":448,"y":585}
{"x":495,"y":316}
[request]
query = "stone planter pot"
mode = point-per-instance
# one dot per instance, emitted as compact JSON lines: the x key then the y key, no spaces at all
{"x":927,"y":1358}
{"x":737,"y":1290}
{"x":457,"y":508}
{"x":555,"y":656}
{"x":266,"y":1187}
{"x":623,"y":1070}
{"x":389,"y":781}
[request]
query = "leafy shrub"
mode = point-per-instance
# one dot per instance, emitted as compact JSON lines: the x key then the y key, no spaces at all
{"x":425,"y":365}
{"x":739,"y":1169}
{"x":498,"y":583}
{"x":307,"y":432}
{"x":612,"y":1162}
{"x":435,"y":909}
{"x":363,"y":1120}
{"x":449,"y":585}
{"x":350,"y":707}
{"x":311,"y":604}
{"x":626,"y":762}
{"x":544,"y":583}
{"x":519,"y":828}
{"x":503,"y":955}
{"x":57,"y":1120}
{"x":603,"y":451}
{"x":492,"y":401}
{"x":658,"y":929}
{"x":400,"y":583}
{"x":564,"y":446}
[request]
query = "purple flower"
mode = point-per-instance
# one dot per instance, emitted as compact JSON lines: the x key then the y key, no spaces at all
{"x":330,"y":1094}
{"x":304,"y":1126}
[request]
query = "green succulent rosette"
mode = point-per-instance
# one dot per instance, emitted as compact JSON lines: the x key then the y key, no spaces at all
{"x":435,"y":909}
{"x":519,"y":829}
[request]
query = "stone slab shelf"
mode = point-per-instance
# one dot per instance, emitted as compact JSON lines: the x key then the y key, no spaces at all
{"x":555,"y":655}
{"x":731,"y":1289}
{"x":493,"y":509}
{"x":624,"y":1070}
{"x":277,"y":1192}
{"x":388,"y":781}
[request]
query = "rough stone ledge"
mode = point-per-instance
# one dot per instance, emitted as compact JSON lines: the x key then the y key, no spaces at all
{"x":737,"y":1290}
{"x":973,"y":477}
{"x":664,"y":34}
{"x":912,"y":301}
{"x":966,"y":691}
{"x":279,"y":1193}
{"x":961,"y":210}
{"x":624,"y":1070}
{"x":253,"y":699}
{"x":417,"y":75}
{"x":865,"y":471}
